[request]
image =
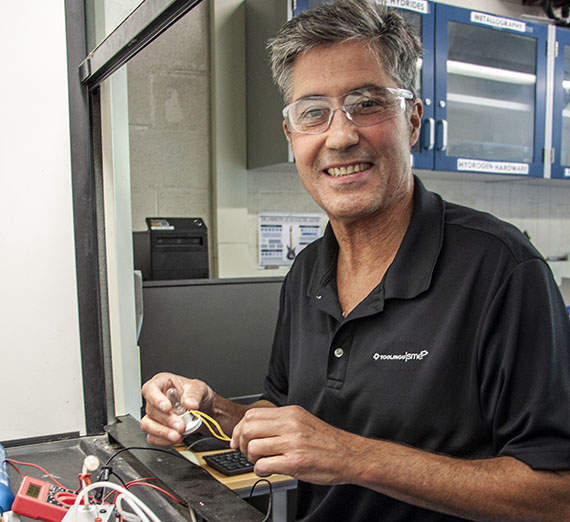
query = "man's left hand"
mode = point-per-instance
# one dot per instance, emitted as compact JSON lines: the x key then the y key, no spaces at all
{"x":291,"y":441}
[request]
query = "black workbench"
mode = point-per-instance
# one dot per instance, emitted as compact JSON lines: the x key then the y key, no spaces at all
{"x":209,"y":499}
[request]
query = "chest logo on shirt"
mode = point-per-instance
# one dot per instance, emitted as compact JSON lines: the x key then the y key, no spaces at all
{"x":406,"y":357}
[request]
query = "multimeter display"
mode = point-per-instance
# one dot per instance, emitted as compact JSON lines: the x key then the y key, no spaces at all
{"x":41,"y":500}
{"x":33,"y":490}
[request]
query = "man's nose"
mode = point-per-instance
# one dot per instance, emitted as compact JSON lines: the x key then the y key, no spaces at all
{"x":342,"y":132}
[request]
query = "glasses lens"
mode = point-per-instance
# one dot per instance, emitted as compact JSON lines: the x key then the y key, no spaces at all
{"x":373,"y":106}
{"x":310,"y":115}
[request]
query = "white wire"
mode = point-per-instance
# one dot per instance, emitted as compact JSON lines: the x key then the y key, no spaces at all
{"x":138,"y":511}
{"x":111,"y":485}
{"x":130,"y":517}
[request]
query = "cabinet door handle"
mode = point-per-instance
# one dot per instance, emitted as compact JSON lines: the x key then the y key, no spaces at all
{"x":429,"y":136}
{"x":443,"y":145}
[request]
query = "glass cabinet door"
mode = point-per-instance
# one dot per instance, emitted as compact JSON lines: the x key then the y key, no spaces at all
{"x":561,"y":116}
{"x":420,"y":14}
{"x":490,"y":88}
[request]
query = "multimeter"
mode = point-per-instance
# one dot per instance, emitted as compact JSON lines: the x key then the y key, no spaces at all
{"x":41,"y":500}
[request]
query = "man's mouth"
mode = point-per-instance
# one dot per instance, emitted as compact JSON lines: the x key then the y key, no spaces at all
{"x":337,"y":172}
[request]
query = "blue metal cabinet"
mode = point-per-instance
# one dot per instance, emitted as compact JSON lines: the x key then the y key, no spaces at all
{"x":561,"y":112}
{"x":490,"y":81}
{"x":483,"y":85}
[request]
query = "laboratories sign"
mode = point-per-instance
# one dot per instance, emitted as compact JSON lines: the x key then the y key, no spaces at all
{"x":492,"y":167}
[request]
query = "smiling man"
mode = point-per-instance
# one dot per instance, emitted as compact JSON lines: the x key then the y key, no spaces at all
{"x":421,"y":362}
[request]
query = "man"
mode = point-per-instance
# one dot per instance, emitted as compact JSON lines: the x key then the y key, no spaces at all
{"x":420,"y":368}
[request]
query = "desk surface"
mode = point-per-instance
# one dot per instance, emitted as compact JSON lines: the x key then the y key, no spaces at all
{"x":243,"y":482}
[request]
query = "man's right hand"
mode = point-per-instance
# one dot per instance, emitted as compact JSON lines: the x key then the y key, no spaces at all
{"x":162,"y":425}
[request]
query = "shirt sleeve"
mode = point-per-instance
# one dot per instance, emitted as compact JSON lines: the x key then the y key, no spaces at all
{"x":524,"y":367}
{"x":277,"y":380}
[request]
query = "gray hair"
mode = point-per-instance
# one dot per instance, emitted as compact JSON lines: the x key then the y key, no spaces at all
{"x":394,"y":41}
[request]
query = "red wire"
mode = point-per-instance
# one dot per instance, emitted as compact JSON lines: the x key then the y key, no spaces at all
{"x":117,"y":493}
{"x":142,"y":482}
{"x":12,"y":462}
{"x":154,"y":487}
{"x":14,"y":466}
{"x":137,"y":482}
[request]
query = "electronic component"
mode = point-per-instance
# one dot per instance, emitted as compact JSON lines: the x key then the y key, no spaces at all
{"x":192,"y":422}
{"x":232,"y":462}
{"x":41,"y":500}
{"x":90,"y":513}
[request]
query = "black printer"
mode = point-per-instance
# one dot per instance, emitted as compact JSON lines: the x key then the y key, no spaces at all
{"x":178,"y":248}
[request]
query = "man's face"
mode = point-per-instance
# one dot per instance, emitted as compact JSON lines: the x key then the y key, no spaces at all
{"x":379,"y":154}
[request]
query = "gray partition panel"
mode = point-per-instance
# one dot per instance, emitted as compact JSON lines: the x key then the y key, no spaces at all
{"x":217,"y":330}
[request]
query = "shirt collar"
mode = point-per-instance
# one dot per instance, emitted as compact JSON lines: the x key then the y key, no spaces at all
{"x":411,"y":271}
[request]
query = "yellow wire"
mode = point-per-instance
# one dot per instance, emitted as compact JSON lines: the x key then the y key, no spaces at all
{"x":206,"y":419}
{"x":221,"y":436}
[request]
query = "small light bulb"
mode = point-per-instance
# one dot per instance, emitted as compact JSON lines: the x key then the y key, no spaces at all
{"x":174,"y":398}
{"x":90,"y":463}
{"x":192,"y":422}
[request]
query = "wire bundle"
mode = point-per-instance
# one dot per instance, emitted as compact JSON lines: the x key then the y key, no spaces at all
{"x":212,"y":424}
{"x":140,"y":511}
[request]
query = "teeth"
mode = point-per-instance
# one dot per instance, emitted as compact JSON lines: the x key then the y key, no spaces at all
{"x":344,"y":171}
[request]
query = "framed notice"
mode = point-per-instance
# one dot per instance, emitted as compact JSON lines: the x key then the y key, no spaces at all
{"x":281,"y":236}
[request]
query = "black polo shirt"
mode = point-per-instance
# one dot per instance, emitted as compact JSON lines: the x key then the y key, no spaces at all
{"x":462,"y":349}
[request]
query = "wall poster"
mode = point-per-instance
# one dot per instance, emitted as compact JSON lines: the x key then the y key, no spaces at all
{"x":282,"y":235}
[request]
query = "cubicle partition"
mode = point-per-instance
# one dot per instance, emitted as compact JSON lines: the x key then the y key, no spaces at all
{"x":217,"y":330}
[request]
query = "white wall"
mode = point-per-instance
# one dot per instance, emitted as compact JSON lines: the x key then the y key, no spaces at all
{"x":40,"y":383}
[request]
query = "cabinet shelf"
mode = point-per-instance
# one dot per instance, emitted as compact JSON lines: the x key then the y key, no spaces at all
{"x":493,"y":103}
{"x":490,"y":73}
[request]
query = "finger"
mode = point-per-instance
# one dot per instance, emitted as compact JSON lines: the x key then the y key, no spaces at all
{"x":195,"y":395}
{"x":260,"y":448}
{"x":154,"y":391}
{"x":254,"y":430}
{"x":159,"y":441}
{"x":158,"y":433}
{"x":267,"y":466}
{"x":170,"y":420}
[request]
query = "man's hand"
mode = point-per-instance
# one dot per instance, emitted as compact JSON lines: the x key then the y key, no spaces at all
{"x":293,"y":442}
{"x":162,"y":425}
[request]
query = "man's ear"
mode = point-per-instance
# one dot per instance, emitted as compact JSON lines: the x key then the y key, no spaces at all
{"x":415,"y":121}
{"x":286,"y":131}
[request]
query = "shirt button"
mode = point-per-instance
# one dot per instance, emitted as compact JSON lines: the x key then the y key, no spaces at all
{"x":339,"y":352}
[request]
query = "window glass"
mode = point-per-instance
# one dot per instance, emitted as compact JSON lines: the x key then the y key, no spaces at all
{"x":102,"y":17}
{"x":415,"y":20}
{"x":565,"y":152}
{"x":491,"y":78}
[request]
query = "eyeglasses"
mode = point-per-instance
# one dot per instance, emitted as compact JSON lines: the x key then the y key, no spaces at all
{"x":363,"y":107}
